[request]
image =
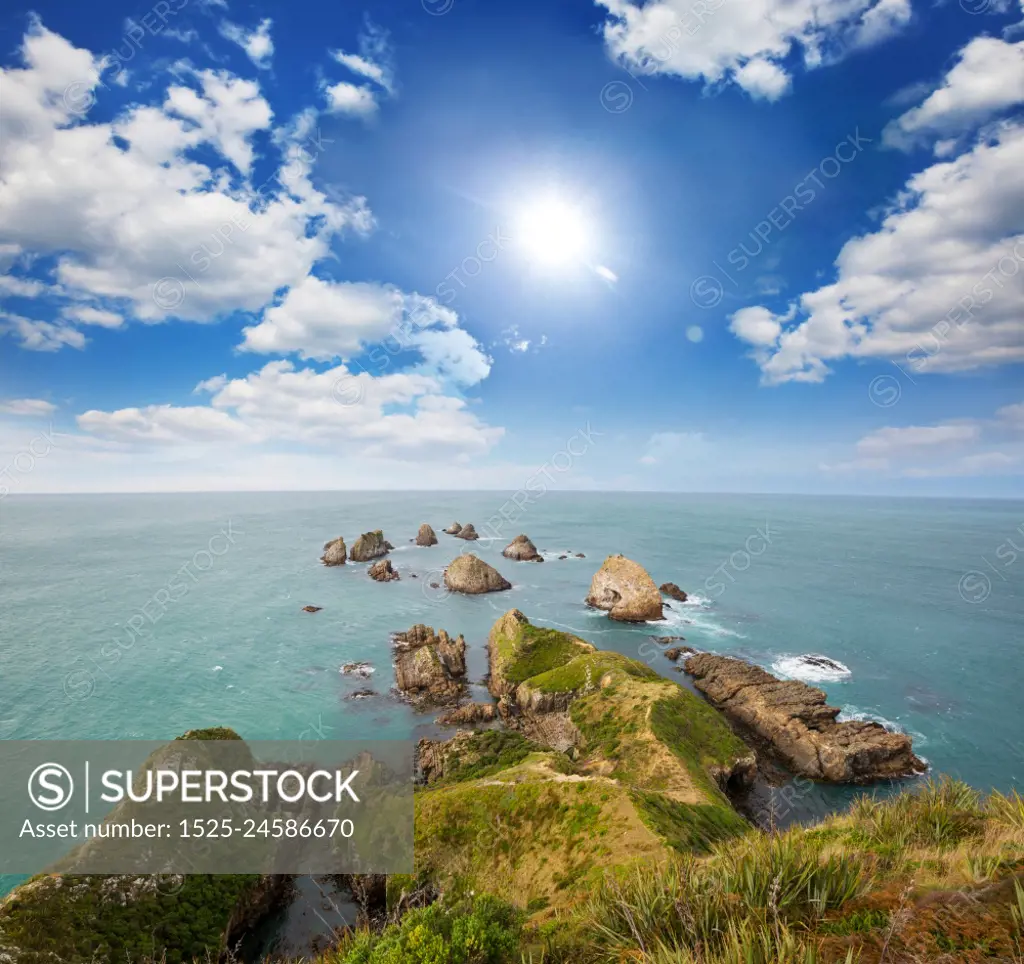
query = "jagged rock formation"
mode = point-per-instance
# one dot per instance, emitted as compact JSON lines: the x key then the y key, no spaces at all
{"x":469,"y":714}
{"x":677,"y":651}
{"x":383,"y":571}
{"x":671,"y":590}
{"x":467,"y":532}
{"x":522,"y":550}
{"x":334,"y":553}
{"x":454,"y":529}
{"x":800,"y":727}
{"x":625,"y":590}
{"x":471,"y":575}
{"x":369,"y":546}
{"x":426,"y":536}
{"x":429,"y":668}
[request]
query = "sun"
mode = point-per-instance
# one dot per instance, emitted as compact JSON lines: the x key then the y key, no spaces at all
{"x":553,"y":232}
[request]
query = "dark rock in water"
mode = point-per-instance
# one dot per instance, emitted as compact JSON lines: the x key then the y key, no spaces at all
{"x":563,"y":557}
{"x":677,"y":651}
{"x":364,"y":670}
{"x":522,"y":550}
{"x":454,"y":528}
{"x":823,"y":662}
{"x":362,"y":695}
{"x":334,"y":553}
{"x":426,"y":536}
{"x":435,"y":585}
{"x":413,"y":575}
{"x":467,"y":532}
{"x":667,"y":639}
{"x":383,"y":571}
{"x":369,"y":546}
{"x":471,"y":575}
{"x":579,"y":555}
{"x":799,"y":725}
{"x":388,"y":546}
{"x":469,"y":713}
{"x":429,"y":668}
{"x":312,"y":609}
{"x":671,"y":590}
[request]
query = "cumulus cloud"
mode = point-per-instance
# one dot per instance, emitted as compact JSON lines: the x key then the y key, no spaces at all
{"x":28,"y":407}
{"x":750,"y":43}
{"x":988,"y":78}
{"x":126,"y":211}
{"x":257,"y":43}
{"x":373,"y":63}
{"x":36,"y":335}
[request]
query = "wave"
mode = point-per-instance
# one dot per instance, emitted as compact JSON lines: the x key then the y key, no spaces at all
{"x":695,"y":620}
{"x":811,"y":668}
{"x":851,"y":712}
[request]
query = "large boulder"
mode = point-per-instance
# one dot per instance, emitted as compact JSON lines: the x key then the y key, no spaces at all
{"x":522,"y":550}
{"x":626,"y":591}
{"x":334,"y":553}
{"x":671,"y":590}
{"x":454,"y":528}
{"x":800,"y":726}
{"x":426,"y":536}
{"x":370,"y":545}
{"x":383,"y":571}
{"x":467,"y":532}
{"x":429,"y":668}
{"x":471,"y":575}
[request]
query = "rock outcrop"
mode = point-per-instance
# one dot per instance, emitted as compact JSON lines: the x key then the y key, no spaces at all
{"x":468,"y":714}
{"x":454,"y":529}
{"x":430,"y":668}
{"x":383,"y":571}
{"x":426,"y":536}
{"x":522,"y":550}
{"x":794,"y":719}
{"x":363,"y":670}
{"x":471,"y":575}
{"x":677,"y":651}
{"x":369,"y":546}
{"x":625,"y":590}
{"x":467,"y":532}
{"x":671,"y":590}
{"x":334,"y":553}
{"x":436,"y":758}
{"x":312,"y":609}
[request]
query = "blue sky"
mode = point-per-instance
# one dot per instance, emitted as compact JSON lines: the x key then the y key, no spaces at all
{"x":738,"y":246}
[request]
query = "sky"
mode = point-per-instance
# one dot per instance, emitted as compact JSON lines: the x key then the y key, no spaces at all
{"x":680,"y":245}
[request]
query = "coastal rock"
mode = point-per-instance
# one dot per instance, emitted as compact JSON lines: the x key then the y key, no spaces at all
{"x":436,"y":758}
{"x":429,"y":668}
{"x":454,"y":528}
{"x":426,"y":536}
{"x":370,"y":545}
{"x":383,"y":571}
{"x":467,"y":532}
{"x":625,"y":590}
{"x":362,"y":695}
{"x":312,"y":609}
{"x":671,"y":590}
{"x":468,"y":714}
{"x":334,"y":553}
{"x":471,"y":575}
{"x":364,"y":670}
{"x":799,"y":725}
{"x":522,"y":550}
{"x":676,"y":652}
{"x":579,"y":555}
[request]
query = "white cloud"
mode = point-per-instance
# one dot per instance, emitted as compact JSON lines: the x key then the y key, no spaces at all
{"x":886,"y":442}
{"x":27,"y":406}
{"x":257,"y":43}
{"x":20,"y":287}
{"x":748,"y":43}
{"x":128,"y":211}
{"x":35,"y":335}
{"x":325,"y":320}
{"x":388,"y":416}
{"x":346,"y":98}
{"x":940,"y":283}
{"x":86,"y":315}
{"x":987,"y":79}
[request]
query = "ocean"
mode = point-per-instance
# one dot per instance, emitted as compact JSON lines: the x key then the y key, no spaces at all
{"x":142,"y":616}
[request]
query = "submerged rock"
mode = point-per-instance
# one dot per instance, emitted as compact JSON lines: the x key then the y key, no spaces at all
{"x":312,"y":609}
{"x":383,"y":571}
{"x":469,"y":713}
{"x":426,"y":536}
{"x":364,"y":670}
{"x":361,"y":694}
{"x":799,"y":725}
{"x":370,"y":545}
{"x":454,"y":529}
{"x":334,"y":553}
{"x":625,"y":590}
{"x":429,"y":668}
{"x":522,"y":550}
{"x":467,"y":532}
{"x":671,"y":590}
{"x":471,"y":575}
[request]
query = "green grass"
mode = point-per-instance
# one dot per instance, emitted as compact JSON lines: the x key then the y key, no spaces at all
{"x":688,"y":827}
{"x":536,"y":650}
{"x":574,"y":675}
{"x":857,"y":922}
{"x":487,"y":753}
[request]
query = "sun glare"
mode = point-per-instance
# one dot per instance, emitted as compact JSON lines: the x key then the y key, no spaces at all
{"x":553,"y":232}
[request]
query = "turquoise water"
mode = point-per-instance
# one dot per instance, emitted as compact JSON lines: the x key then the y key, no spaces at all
{"x":871,"y":583}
